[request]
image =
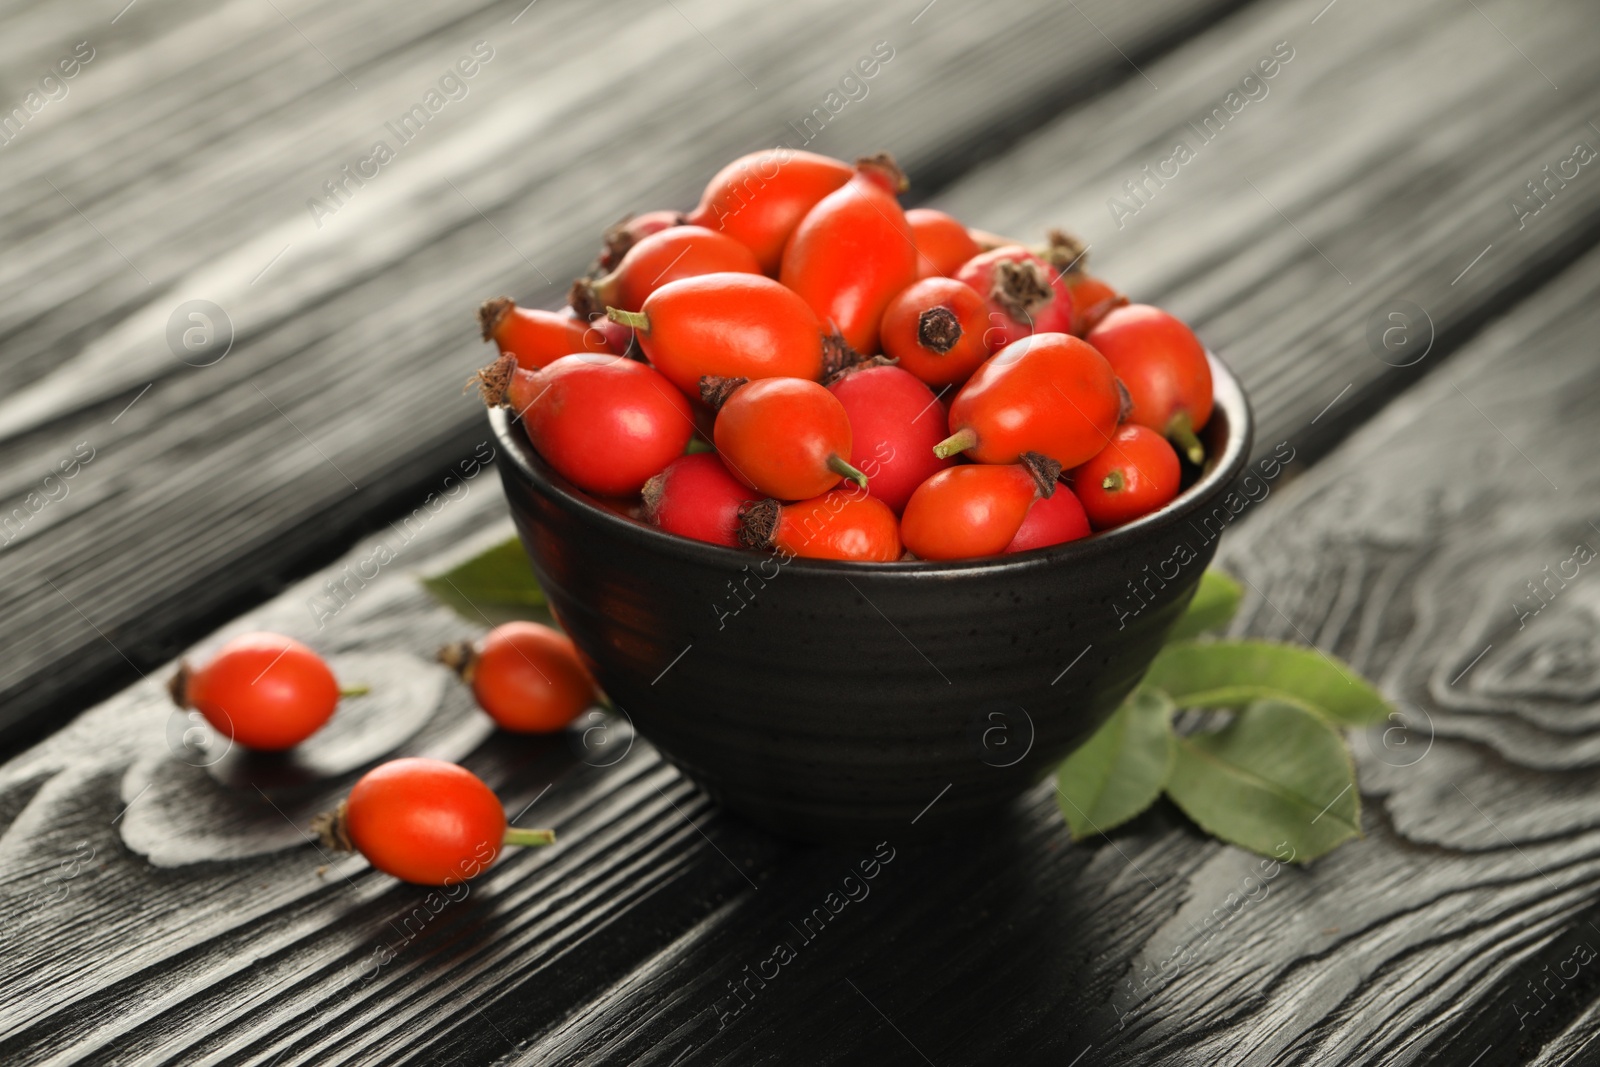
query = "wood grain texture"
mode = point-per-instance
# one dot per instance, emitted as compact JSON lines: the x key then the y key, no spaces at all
{"x":213,"y":128}
{"x":195,"y":924}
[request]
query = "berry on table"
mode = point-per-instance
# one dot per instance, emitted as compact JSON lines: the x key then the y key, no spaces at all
{"x":424,"y":821}
{"x":266,"y":691}
{"x":527,"y":676}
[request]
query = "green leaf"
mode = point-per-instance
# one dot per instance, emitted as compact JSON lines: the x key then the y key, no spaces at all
{"x":1213,"y":605}
{"x":492,"y":587}
{"x":1231,"y":674}
{"x":1120,"y":770}
{"x":1276,"y":780}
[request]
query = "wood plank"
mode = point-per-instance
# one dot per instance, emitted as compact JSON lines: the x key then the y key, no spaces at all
{"x":214,"y":126}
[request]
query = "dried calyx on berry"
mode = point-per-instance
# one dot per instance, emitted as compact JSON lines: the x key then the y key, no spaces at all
{"x":716,"y":389}
{"x":1065,"y":252}
{"x":758,"y":524}
{"x":1045,"y":471}
{"x":884,"y":163}
{"x":1021,"y":287}
{"x":837,"y":355}
{"x":333,"y":830}
{"x":938,"y":329}
{"x":491,"y":311}
{"x":865,"y":364}
{"x":584,"y":299}
{"x":493,"y":381}
{"x":461,"y":657}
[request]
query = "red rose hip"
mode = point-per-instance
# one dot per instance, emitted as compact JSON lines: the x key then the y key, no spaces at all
{"x":606,"y":423}
{"x":943,"y":244}
{"x":266,"y":691}
{"x":1052,"y":520}
{"x":696,"y":497}
{"x":671,"y":254}
{"x":974,"y":510}
{"x":535,"y":337}
{"x":937,"y":329}
{"x":1164,"y":367}
{"x":895,"y":421}
{"x":424,"y":821}
{"x":853,"y":252}
{"x":1025,"y":294}
{"x":728,"y":326}
{"x":786,"y":437}
{"x":1135,"y":474}
{"x":760,"y":198}
{"x":843,"y":524}
{"x":1049,"y":393}
{"x":528,"y":677}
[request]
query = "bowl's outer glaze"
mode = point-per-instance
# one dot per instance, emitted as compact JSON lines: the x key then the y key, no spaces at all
{"x":836,"y":701}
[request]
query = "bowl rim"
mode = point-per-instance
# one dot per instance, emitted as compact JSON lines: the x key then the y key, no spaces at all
{"x":1221,"y":470}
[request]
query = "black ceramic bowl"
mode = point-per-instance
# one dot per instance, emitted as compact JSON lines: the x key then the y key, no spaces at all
{"x":846,"y":701}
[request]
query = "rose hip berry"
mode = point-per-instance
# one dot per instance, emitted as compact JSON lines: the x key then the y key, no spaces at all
{"x":843,"y":524}
{"x":943,"y":244}
{"x":853,"y":252}
{"x":1135,"y":474}
{"x":266,"y":691}
{"x":534,"y":337}
{"x":606,"y":423}
{"x":1164,"y":367}
{"x":1049,"y":393}
{"x":729,"y":326}
{"x":528,"y":677}
{"x":696,"y":497}
{"x":623,"y":235}
{"x":1026,"y":296}
{"x":936,"y":329}
{"x":786,"y":437}
{"x":895,"y":421}
{"x":1052,"y":520}
{"x":1091,"y":297}
{"x":424,"y":821}
{"x":760,"y":198}
{"x":975,"y":510}
{"x":671,"y":254}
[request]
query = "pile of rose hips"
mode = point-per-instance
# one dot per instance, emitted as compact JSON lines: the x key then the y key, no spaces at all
{"x":421,"y":820}
{"x":800,"y":365}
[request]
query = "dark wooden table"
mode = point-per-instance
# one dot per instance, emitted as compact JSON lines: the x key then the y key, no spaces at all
{"x":1414,"y":189}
